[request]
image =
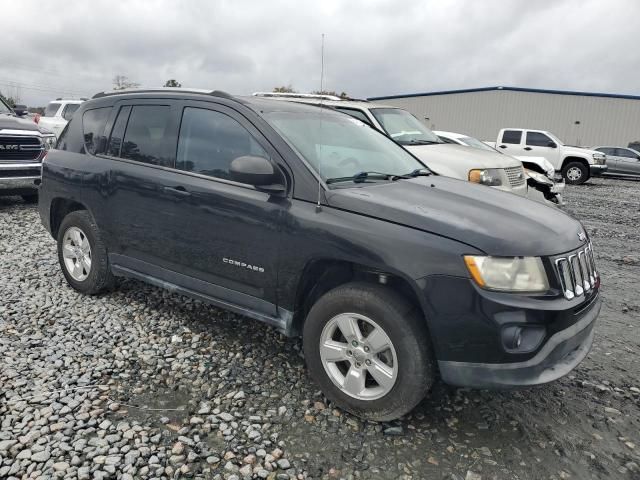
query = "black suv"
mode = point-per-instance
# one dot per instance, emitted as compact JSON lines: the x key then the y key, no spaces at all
{"x":318,"y":225}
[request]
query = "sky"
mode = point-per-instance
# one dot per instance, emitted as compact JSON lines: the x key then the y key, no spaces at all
{"x":71,"y":49}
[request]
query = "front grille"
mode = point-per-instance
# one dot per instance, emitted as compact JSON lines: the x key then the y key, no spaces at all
{"x":577,"y":272}
{"x":515,"y":176}
{"x":18,"y":148}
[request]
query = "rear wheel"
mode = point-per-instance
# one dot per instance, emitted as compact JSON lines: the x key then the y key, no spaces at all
{"x":82,"y":254}
{"x":575,"y":173}
{"x":368,"y":349}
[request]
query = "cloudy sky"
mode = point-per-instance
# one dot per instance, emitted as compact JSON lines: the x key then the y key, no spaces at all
{"x":372,"y":47}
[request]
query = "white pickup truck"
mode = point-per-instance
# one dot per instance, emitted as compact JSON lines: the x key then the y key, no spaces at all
{"x":576,"y":164}
{"x":57,"y":115}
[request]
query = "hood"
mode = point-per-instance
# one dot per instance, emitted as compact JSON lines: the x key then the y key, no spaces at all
{"x":495,"y":222}
{"x":11,"y":122}
{"x":456,"y":160}
{"x":585,"y":152}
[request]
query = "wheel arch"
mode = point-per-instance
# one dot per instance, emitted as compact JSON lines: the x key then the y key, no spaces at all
{"x":324,"y":274}
{"x":571,"y":159}
{"x":60,"y":208}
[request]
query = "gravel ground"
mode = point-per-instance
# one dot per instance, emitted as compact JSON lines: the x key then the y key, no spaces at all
{"x":142,"y":383}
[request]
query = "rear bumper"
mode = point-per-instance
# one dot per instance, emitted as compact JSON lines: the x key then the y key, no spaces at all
{"x":598,"y":169}
{"x":560,"y":354}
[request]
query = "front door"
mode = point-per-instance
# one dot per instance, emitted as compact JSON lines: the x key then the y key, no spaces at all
{"x":627,"y":162}
{"x":538,"y":144}
{"x":177,"y":215}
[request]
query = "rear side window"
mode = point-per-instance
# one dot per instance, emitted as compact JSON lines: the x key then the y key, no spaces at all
{"x":146,"y":139}
{"x":209,"y":141}
{"x":93,"y":123}
{"x":69,"y":110}
{"x":51,"y":109}
{"x":117,"y":133}
{"x":537,"y":139}
{"x":511,"y":136}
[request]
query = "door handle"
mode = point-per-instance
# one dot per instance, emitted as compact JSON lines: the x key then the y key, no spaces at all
{"x":179,"y":191}
{"x":527,"y":148}
{"x":503,"y":146}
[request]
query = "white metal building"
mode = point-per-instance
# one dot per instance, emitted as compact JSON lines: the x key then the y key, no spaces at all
{"x":577,"y":118}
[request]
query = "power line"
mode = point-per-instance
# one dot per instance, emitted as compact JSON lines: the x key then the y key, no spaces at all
{"x":38,"y":87}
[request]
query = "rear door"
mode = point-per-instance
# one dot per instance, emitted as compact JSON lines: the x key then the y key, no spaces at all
{"x":511,"y":142}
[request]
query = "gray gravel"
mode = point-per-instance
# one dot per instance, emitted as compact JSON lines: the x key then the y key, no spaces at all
{"x":141,"y":383}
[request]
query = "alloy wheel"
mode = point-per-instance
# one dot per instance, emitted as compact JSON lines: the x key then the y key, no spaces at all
{"x":76,"y":252}
{"x":358,"y":356}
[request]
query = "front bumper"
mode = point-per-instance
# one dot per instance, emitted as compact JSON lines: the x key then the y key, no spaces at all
{"x":560,"y":354}
{"x":598,"y":169}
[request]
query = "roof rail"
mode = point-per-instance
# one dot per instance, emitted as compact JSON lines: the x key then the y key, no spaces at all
{"x":296,"y":95}
{"x":215,"y":93}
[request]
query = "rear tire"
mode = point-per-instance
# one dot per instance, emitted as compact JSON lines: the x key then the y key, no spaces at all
{"x":82,"y":254}
{"x":575,"y":173}
{"x":379,"y":376}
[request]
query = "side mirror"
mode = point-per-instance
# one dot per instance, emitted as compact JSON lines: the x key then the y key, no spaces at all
{"x":552,"y":145}
{"x":256,"y":171}
{"x":20,"y":110}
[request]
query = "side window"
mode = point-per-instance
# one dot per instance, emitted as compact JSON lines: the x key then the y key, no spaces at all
{"x":69,"y":110}
{"x":51,"y":109}
{"x":209,"y":141}
{"x":511,"y":136}
{"x":623,"y":152}
{"x":537,"y":139}
{"x":93,"y":123}
{"x":355,"y":114}
{"x":117,"y":132}
{"x":145,"y":140}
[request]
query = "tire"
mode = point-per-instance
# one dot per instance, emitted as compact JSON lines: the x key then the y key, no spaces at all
{"x":410,"y":350}
{"x":97,"y":277}
{"x":31,"y":198}
{"x":575,"y":173}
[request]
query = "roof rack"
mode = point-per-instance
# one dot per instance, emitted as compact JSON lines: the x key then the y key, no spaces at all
{"x":215,"y":93}
{"x":296,"y":95}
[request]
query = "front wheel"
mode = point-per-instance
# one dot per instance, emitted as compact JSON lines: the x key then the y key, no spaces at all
{"x":575,"y":173}
{"x":368,"y":350}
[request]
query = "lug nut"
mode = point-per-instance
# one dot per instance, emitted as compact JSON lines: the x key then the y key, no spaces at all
{"x":368,"y":362}
{"x":354,"y":343}
{"x":366,"y":349}
{"x":358,"y":364}
{"x":349,"y":352}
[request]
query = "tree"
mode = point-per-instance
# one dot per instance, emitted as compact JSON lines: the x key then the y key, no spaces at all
{"x":8,"y":100}
{"x":284,"y":89}
{"x":172,"y":83}
{"x":342,"y":95}
{"x":120,"y":82}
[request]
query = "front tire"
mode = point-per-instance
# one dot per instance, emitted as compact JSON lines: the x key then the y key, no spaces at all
{"x":575,"y":173}
{"x":82,"y":254}
{"x":369,"y":351}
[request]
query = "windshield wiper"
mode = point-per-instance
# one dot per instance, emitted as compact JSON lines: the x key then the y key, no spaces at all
{"x":422,"y":142}
{"x":360,"y":177}
{"x":418,"y":172}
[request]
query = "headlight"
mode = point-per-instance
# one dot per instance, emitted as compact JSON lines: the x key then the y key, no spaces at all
{"x":540,"y":178}
{"x":49,"y":142}
{"x":488,"y":176}
{"x":509,"y":274}
{"x":599,"y":158}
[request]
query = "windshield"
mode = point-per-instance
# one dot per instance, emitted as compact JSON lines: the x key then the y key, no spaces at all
{"x":403,"y":127}
{"x":4,"y":108}
{"x":338,"y":146}
{"x":474,"y":142}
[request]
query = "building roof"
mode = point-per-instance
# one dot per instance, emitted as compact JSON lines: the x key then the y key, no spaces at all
{"x":512,"y":89}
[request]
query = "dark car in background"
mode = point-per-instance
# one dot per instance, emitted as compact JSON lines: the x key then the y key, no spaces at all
{"x":320,"y":226}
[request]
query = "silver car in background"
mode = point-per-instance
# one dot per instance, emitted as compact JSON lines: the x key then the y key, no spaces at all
{"x":622,"y":161}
